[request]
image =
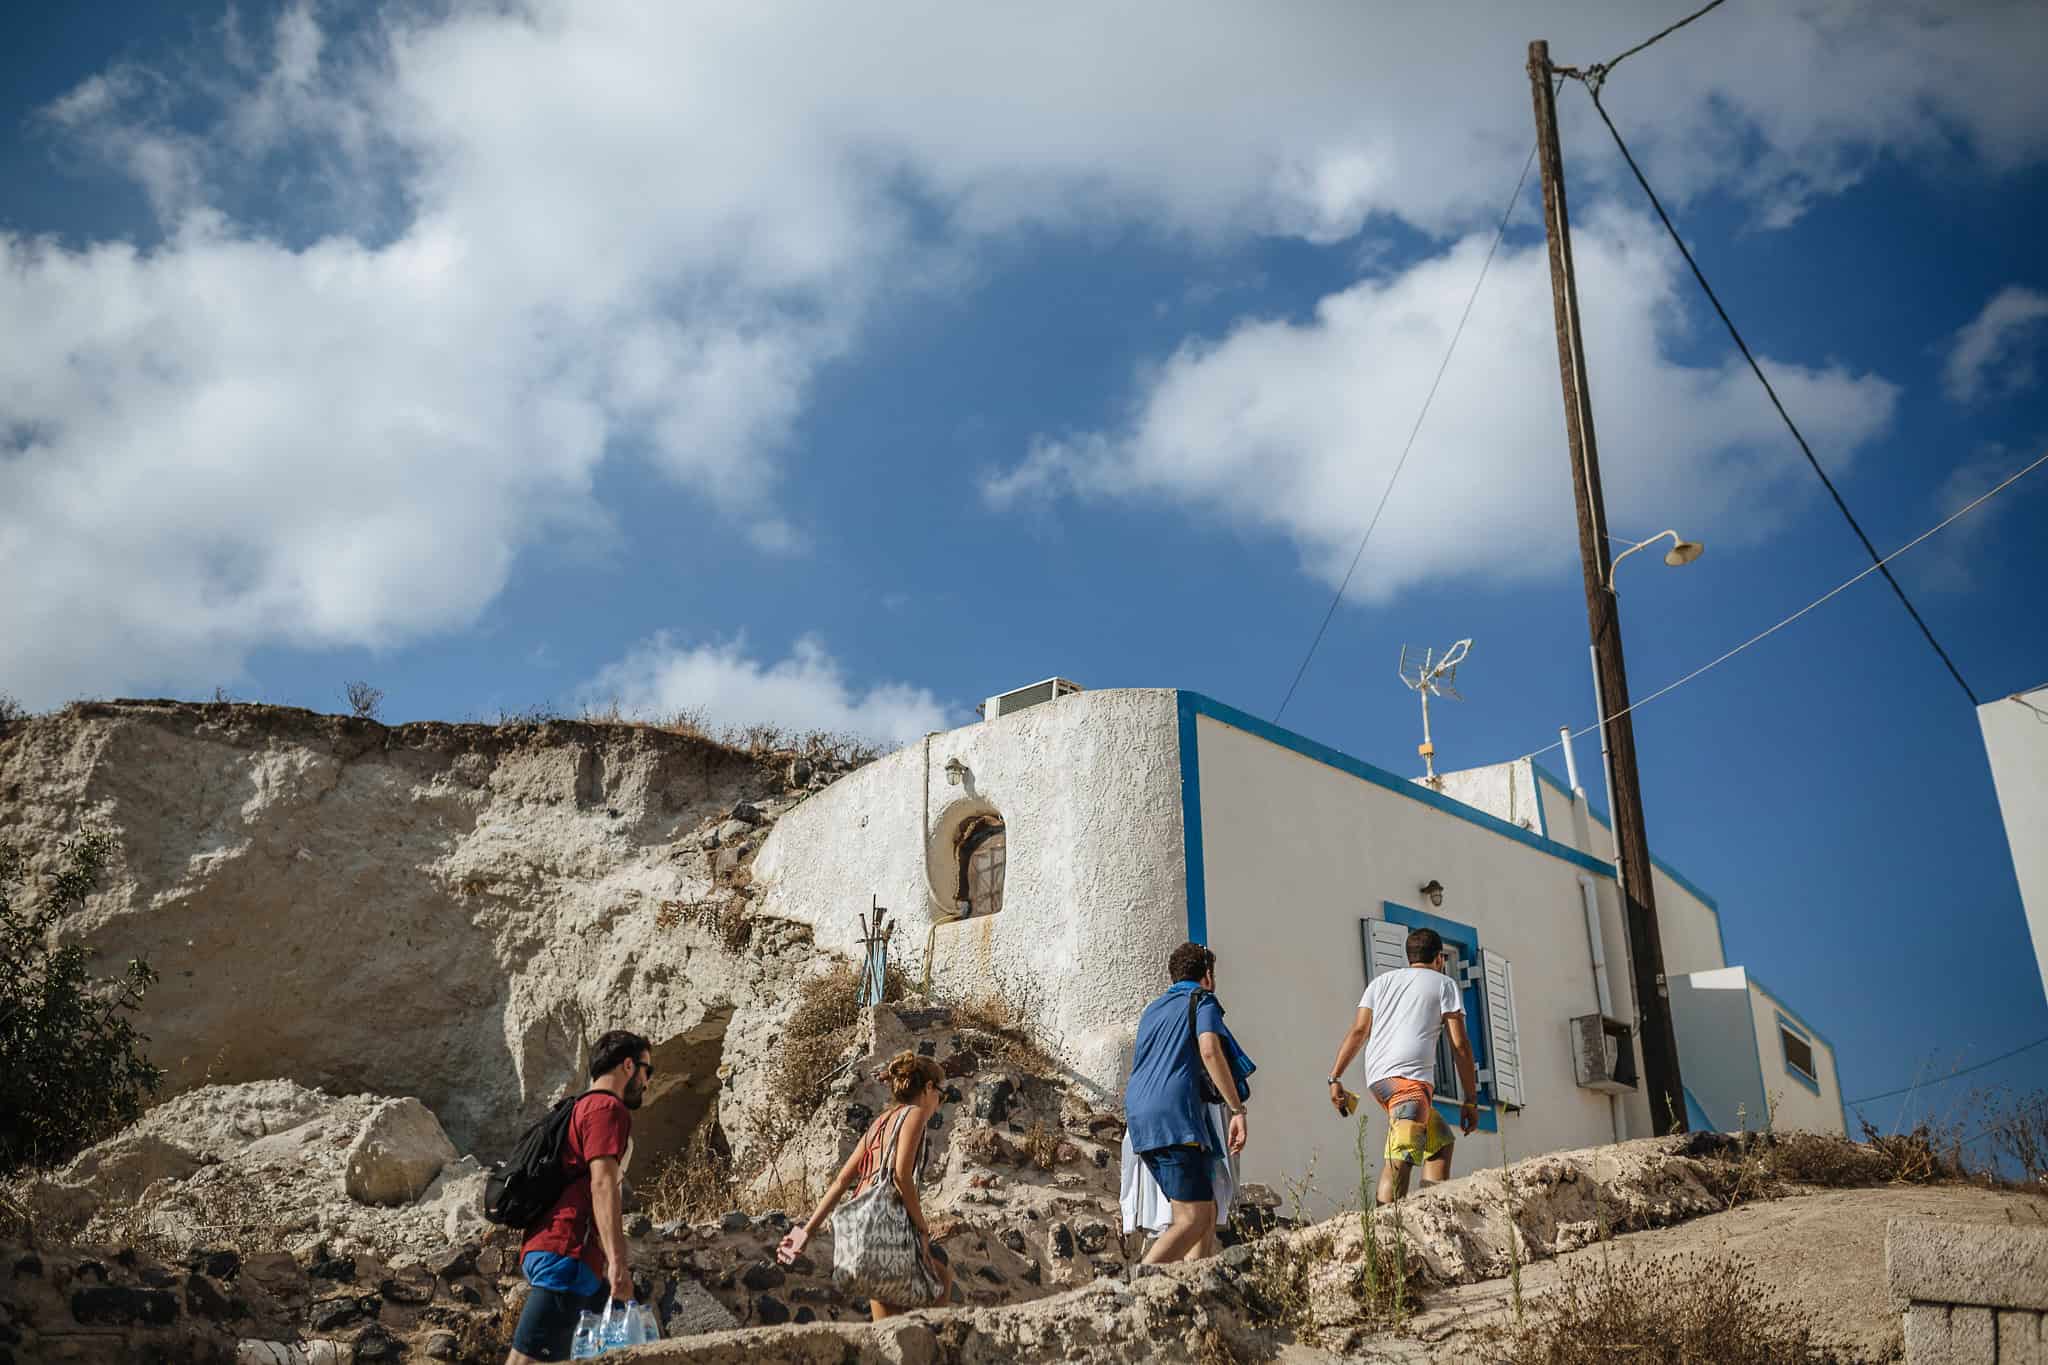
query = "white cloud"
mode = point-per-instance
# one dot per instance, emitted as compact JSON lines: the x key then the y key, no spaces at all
{"x":1295,"y":428}
{"x":1996,"y":340}
{"x":1945,"y":564}
{"x":417,"y":282}
{"x":723,"y":685}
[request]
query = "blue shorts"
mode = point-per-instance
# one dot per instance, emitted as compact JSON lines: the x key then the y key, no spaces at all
{"x":547,"y":1325}
{"x":1182,"y":1173}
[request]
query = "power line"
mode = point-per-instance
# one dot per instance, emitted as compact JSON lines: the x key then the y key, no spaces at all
{"x":1604,"y":67}
{"x":1401,"y":463}
{"x":1831,"y":593}
{"x":2003,"y":1056}
{"x":1592,"y":80}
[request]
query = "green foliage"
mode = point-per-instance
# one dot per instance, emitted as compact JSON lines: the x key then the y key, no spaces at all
{"x":71,"y":1064}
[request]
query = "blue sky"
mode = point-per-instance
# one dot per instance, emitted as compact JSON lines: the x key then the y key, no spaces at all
{"x":840,"y":369}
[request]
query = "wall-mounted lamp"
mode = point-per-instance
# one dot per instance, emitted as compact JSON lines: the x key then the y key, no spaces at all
{"x":956,"y":772}
{"x":1433,"y":891}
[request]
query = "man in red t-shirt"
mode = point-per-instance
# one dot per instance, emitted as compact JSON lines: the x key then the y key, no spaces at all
{"x":575,"y":1258}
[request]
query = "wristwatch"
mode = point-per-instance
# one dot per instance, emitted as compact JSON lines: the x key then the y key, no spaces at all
{"x":1234,"y":1110}
{"x":1335,"y":1081}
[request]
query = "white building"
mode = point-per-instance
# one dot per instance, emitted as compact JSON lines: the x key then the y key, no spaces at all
{"x":2016,"y":738}
{"x":1087,"y":835}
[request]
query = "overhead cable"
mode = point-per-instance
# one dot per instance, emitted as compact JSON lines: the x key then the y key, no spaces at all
{"x":1371,"y":526}
{"x":1834,"y":592}
{"x":1602,"y":68}
{"x":1592,"y":80}
{"x":1938,"y":1080}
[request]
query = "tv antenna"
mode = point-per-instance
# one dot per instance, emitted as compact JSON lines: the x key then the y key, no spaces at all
{"x":1429,"y":676}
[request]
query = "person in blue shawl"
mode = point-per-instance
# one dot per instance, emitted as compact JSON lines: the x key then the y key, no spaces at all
{"x":1185,"y":1061}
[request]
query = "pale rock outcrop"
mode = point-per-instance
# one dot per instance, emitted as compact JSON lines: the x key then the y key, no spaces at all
{"x":451,"y":912}
{"x":397,"y":1153}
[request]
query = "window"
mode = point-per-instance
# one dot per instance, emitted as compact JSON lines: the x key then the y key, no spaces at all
{"x":1487,"y":980}
{"x":983,"y":853}
{"x":1798,"y":1053}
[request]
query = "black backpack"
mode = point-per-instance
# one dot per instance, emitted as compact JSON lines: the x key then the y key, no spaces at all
{"x":526,"y":1185}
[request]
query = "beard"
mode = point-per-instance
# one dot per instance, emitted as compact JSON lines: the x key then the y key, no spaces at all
{"x":634,"y":1095}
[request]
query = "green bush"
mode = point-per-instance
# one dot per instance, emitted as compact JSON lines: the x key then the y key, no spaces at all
{"x":71,"y":1064}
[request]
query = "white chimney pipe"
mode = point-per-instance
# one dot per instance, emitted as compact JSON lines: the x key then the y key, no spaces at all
{"x":1571,"y":761}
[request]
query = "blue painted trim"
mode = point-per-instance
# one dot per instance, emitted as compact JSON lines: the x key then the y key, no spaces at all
{"x":1696,"y":1115}
{"x":1466,"y":937}
{"x":1786,"y":1026}
{"x":1194,"y":704}
{"x":1191,"y":820}
{"x":1685,"y":883}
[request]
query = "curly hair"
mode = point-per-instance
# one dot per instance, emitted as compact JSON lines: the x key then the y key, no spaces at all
{"x":1190,"y":962}
{"x":908,"y":1075}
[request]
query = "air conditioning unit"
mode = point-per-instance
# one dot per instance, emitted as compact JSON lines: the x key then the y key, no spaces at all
{"x":1009,"y":702}
{"x":1603,"y":1054}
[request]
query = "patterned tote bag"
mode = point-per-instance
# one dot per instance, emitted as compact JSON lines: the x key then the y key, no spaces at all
{"x":875,"y":1251}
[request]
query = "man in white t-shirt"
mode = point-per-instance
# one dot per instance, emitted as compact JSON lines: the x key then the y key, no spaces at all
{"x":1400,"y":1018}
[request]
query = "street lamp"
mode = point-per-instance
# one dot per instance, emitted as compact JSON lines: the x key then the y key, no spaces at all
{"x":1682,"y":552}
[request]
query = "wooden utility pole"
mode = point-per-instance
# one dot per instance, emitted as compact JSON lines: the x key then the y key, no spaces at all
{"x":1632,"y":847}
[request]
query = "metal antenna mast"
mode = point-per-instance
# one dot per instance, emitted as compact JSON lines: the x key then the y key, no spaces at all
{"x":1429,"y":676}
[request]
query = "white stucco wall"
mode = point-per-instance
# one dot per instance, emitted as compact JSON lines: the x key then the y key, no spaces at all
{"x":1295,"y":852}
{"x":1095,"y":887}
{"x":1689,"y":925}
{"x":1506,"y":790}
{"x":1715,"y":1018}
{"x":1792,"y":1104}
{"x":2016,"y":738}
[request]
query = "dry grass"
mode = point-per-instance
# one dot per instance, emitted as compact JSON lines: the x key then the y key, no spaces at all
{"x":702,"y":1182}
{"x":1676,"y":1312}
{"x":1823,"y":1159}
{"x":696,"y":1184}
{"x":1008,"y":1020}
{"x":1929,"y":1154}
{"x":1280,"y":1284}
{"x":1041,"y":1145}
{"x":815,"y":1040}
{"x":729,"y":918}
{"x":829,"y":748}
{"x":2018,"y":1133}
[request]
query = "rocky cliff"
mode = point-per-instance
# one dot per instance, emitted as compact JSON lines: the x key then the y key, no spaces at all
{"x":444,"y":911}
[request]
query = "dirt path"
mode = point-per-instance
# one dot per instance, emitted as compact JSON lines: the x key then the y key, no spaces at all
{"x":1821,"y":1252}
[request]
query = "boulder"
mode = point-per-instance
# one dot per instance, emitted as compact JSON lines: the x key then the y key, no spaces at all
{"x":457,"y":1194}
{"x":121,"y":1169}
{"x":396,"y":1154}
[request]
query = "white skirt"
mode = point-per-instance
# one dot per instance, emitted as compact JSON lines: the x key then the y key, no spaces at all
{"x":1146,"y":1206}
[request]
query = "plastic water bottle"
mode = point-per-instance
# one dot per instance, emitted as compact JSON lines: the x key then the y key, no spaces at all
{"x":617,"y":1325}
{"x":588,"y":1343}
{"x":650,"y":1325}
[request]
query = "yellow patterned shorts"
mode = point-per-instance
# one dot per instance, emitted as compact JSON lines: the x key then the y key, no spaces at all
{"x":1415,"y":1131}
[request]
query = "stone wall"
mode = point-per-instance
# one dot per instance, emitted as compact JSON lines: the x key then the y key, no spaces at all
{"x":1972,"y":1293}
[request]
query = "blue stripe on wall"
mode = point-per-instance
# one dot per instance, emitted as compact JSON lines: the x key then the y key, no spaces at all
{"x":1193,"y":704}
{"x":1191,"y":820}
